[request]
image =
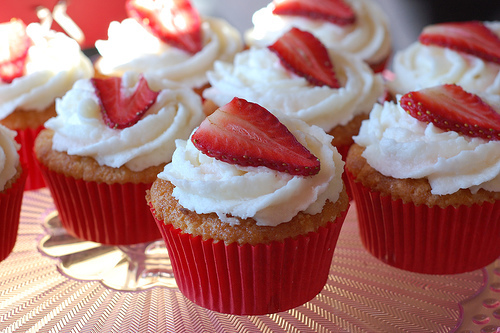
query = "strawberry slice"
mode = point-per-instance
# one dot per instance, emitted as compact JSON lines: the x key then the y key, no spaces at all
{"x":471,"y":37}
{"x":175,"y":22}
{"x":120,"y":110}
{"x":246,"y":134}
{"x":302,"y":53}
{"x":334,"y":11}
{"x":14,"y":45}
{"x":451,"y":108}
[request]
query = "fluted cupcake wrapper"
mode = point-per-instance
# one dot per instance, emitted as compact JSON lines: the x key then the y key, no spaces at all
{"x":251,"y":279}
{"x":10,"y":210}
{"x":424,"y":239}
{"x":27,"y":138}
{"x":111,"y":214}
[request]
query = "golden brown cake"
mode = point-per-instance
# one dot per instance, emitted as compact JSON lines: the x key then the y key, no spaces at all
{"x":209,"y":226}
{"x":45,"y":64}
{"x":424,"y":174}
{"x":87,"y":168}
{"x":249,"y":185}
{"x":103,"y":150}
{"x":417,"y":191}
{"x":24,"y":119}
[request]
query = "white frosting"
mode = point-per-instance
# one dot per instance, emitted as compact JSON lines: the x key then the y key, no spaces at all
{"x":258,"y":76}
{"x":9,"y":157}
{"x":420,"y":66}
{"x":80,"y":130}
{"x":368,"y":38}
{"x":54,"y":63}
{"x":400,"y":146}
{"x":130,"y":47}
{"x":205,"y":185}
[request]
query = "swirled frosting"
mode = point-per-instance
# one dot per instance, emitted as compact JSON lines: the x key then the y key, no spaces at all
{"x":130,"y":47}
{"x":400,"y":146}
{"x":258,"y":76}
{"x":80,"y":130}
{"x":421,"y":66}
{"x":205,"y":185}
{"x":368,"y":38}
{"x":53,"y":64}
{"x":9,"y":158}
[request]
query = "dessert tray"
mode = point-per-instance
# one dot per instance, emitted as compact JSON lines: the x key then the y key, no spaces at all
{"x":53,"y":282}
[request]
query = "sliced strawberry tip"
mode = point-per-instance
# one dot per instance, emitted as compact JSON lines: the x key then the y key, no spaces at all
{"x":471,"y":37}
{"x":120,"y":110}
{"x":451,"y":108}
{"x":246,"y":134}
{"x":335,"y":11}
{"x":175,"y":22}
{"x":304,"y":54}
{"x":14,"y":46}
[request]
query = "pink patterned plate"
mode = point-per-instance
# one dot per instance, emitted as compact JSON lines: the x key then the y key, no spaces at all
{"x":39,"y":290}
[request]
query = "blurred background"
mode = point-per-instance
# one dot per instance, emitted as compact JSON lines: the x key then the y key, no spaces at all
{"x":407,"y":17}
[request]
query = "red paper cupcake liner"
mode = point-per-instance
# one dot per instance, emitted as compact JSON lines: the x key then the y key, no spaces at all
{"x":111,"y":214}
{"x":27,"y":138}
{"x":10,"y":210}
{"x":251,"y":280}
{"x":424,"y":239}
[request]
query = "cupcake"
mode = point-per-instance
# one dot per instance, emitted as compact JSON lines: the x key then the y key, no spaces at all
{"x":462,"y":53}
{"x":103,"y":150}
{"x":12,"y":181}
{"x":41,"y":65}
{"x":153,"y":42}
{"x":425,"y":176}
{"x":250,"y":209}
{"x":359,"y":27}
{"x":334,"y":91}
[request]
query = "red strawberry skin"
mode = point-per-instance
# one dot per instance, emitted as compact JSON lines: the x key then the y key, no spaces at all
{"x":471,"y":37}
{"x":335,"y":11}
{"x":175,"y":22}
{"x":13,"y":38}
{"x":120,"y":111}
{"x":302,"y":53}
{"x":451,"y":108}
{"x":246,"y":134}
